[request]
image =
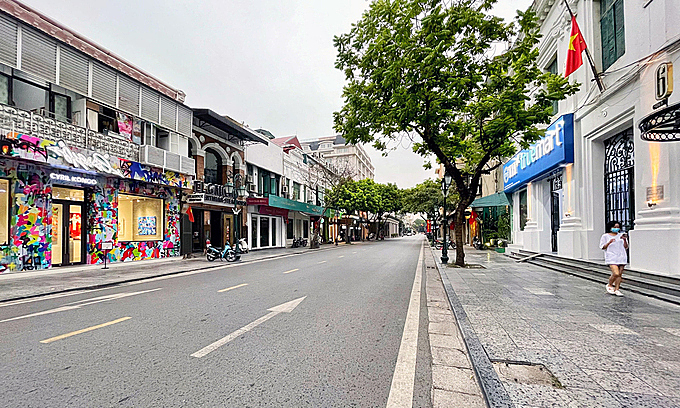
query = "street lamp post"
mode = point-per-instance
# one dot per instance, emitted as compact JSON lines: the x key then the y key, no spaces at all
{"x":446,"y":183}
{"x":434,"y":224}
{"x":236,"y":188}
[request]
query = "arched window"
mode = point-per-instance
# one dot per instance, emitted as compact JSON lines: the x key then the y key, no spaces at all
{"x":213,"y":167}
{"x":192,"y":149}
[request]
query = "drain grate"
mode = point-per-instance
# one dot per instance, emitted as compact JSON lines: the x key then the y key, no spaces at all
{"x":526,"y":373}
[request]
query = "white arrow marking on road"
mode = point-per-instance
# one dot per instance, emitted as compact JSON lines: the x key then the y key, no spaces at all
{"x":284,"y":308}
{"x":78,"y":306}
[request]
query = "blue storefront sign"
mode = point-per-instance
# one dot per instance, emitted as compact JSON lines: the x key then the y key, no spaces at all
{"x":554,"y":149}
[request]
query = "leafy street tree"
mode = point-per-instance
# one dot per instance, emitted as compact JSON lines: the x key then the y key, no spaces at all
{"x":353,"y":197}
{"x":425,"y":199}
{"x":426,"y":69}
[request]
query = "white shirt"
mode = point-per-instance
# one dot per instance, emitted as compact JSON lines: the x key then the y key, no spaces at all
{"x":615,"y":254}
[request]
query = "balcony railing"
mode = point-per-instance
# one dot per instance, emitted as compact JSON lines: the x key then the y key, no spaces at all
{"x":21,"y":121}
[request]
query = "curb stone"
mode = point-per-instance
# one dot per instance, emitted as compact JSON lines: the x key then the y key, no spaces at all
{"x":492,"y":389}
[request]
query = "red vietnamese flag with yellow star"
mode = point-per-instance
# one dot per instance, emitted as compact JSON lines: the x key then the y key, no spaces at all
{"x":576,"y":46}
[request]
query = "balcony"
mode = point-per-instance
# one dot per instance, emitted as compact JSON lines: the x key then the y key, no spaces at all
{"x":21,"y":121}
{"x":156,"y":157}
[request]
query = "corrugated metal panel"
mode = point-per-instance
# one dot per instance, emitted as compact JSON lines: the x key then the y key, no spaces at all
{"x":73,"y":70}
{"x":128,"y":95}
{"x":149,"y":104}
{"x":184,"y":120}
{"x":103,"y":84}
{"x":8,"y":41}
{"x":168,"y":113}
{"x":188,"y":166}
{"x":38,"y":54}
{"x":172,"y":161}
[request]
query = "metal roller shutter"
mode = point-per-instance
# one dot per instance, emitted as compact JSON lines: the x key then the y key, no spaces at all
{"x":184,"y":120}
{"x":128,"y":95}
{"x":103,"y":84}
{"x":8,"y":41}
{"x":168,"y":113}
{"x":149,"y":104}
{"x":38,"y":54}
{"x":73,"y":70}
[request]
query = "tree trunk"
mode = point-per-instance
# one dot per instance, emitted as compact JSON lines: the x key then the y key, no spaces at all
{"x":459,"y":217}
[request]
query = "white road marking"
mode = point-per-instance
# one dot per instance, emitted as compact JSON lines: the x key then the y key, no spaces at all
{"x":321,"y":262}
{"x":152,"y":279}
{"x":401,"y":391}
{"x":539,"y":291}
{"x":292,"y":270}
{"x":283,"y":308}
{"x":72,"y":306}
{"x":232,"y":287}
{"x":341,"y":256}
{"x":354,"y":252}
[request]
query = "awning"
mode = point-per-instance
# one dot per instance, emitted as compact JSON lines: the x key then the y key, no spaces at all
{"x":280,"y":202}
{"x":494,"y":200}
{"x":219,"y":125}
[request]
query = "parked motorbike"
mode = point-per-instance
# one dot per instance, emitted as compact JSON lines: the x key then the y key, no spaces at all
{"x":477,"y":243}
{"x":438,"y":244}
{"x":299,"y":242}
{"x":227,"y":253}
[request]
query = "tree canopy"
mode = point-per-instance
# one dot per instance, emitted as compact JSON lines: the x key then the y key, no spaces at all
{"x":426,"y":69}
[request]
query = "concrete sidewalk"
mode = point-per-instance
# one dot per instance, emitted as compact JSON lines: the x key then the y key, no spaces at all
{"x":606,"y":351}
{"x":19,"y":285}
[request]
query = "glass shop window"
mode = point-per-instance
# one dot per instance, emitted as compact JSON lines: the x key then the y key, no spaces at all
{"x":139,"y":218}
{"x":305,"y":229}
{"x":29,"y":97}
{"x":4,"y":212}
{"x":4,"y":89}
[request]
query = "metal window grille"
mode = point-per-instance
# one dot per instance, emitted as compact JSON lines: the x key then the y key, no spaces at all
{"x":8,"y":41}
{"x":619,"y":179}
{"x":104,"y":84}
{"x":38,"y":54}
{"x":128,"y":95}
{"x":73,"y":70}
{"x":149,"y":104}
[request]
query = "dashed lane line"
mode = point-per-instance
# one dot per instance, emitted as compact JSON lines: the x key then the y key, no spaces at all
{"x":292,"y":270}
{"x":320,"y":262}
{"x":232,"y":288}
{"x":85,"y":330}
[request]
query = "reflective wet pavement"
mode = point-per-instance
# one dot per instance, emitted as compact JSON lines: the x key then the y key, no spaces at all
{"x":606,"y":351}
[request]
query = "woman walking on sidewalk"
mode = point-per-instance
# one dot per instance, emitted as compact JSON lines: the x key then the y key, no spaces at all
{"x":615,"y":244}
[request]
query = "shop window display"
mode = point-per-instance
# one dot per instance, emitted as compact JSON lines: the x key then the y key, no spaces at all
{"x":139,"y":218}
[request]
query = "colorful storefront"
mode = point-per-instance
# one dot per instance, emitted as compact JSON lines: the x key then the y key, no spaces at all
{"x":60,"y":205}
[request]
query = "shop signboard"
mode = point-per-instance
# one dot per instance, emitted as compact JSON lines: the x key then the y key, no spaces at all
{"x":213,"y":194}
{"x":554,"y":149}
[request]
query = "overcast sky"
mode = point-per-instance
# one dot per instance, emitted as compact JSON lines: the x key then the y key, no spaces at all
{"x":268,"y":63}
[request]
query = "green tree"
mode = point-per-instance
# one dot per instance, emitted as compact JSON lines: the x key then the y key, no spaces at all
{"x":426,"y":68}
{"x":352,"y":197}
{"x":389,"y":200}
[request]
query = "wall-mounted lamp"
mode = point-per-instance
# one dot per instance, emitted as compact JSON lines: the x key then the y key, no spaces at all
{"x":651,"y":203}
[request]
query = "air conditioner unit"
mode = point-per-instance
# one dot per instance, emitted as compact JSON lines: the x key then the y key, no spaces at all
{"x":249,"y":179}
{"x":284,"y":189}
{"x":252,"y":188}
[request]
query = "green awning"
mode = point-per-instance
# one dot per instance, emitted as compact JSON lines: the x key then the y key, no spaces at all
{"x":494,"y":200}
{"x":280,"y":202}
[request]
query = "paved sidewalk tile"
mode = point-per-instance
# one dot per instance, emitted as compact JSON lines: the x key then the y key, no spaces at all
{"x":606,"y":351}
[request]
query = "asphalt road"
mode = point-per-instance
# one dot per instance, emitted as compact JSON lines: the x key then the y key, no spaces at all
{"x":132,"y":345}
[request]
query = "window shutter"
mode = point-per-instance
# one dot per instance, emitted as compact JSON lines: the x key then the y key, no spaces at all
{"x":128,"y":95}
{"x":168,"y":113}
{"x":73,"y":70}
{"x":149,"y":104}
{"x":184,"y":120}
{"x":38,"y":54}
{"x":8,"y":41}
{"x":620,"y":42}
{"x":103,"y":84}
{"x":608,"y":43}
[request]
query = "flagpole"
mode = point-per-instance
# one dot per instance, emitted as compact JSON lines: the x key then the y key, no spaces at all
{"x":598,"y":79}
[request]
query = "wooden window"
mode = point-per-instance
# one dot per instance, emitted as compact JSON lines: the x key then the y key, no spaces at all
{"x":612,"y":31}
{"x":552,"y":68}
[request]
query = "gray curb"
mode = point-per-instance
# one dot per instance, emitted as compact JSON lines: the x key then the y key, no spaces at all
{"x":492,"y":389}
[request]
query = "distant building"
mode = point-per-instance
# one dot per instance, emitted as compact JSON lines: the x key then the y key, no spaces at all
{"x":341,"y":155}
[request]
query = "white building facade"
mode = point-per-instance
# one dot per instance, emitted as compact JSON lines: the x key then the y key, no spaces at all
{"x":342,"y":155}
{"x":596,"y":162}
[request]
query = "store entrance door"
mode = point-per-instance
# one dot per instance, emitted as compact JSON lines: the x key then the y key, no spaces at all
{"x":68,"y":233}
